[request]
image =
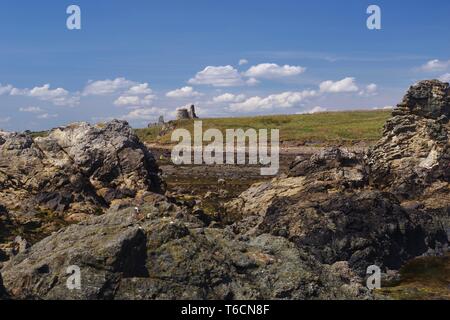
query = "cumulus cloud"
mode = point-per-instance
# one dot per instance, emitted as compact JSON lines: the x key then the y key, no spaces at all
{"x":185,"y":92}
{"x":146,"y":114}
{"x":252,"y":82}
{"x":435,"y":65}
{"x":384,"y":108}
{"x":47,"y":116}
{"x":345,"y":85}
{"x":272,"y":70}
{"x":136,"y":101}
{"x":229,"y":97}
{"x":445,"y":77}
{"x":58,"y":96}
{"x":243,"y":62}
{"x":31,"y":110}
{"x":5,"y":89}
{"x":222,"y":76}
{"x":140,"y":89}
{"x":317,"y":109}
{"x":105,"y":87}
{"x":283,"y":100}
{"x":369,"y":90}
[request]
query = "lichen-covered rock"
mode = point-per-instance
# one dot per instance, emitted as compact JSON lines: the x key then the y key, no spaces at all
{"x":363,"y":227}
{"x":381,"y":208}
{"x":412,"y":159}
{"x":75,"y":169}
{"x":427,"y":99}
{"x":345,"y":167}
{"x":165,"y":253}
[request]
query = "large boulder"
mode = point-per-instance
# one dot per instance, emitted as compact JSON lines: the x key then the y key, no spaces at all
{"x":162,"y":251}
{"x":323,"y":213}
{"x":75,"y":169}
{"x":427,"y":99}
{"x":382,"y":208}
{"x":413,"y":156}
{"x":412,"y":160}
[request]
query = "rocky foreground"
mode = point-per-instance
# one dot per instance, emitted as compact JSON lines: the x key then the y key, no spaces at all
{"x":308,"y":235}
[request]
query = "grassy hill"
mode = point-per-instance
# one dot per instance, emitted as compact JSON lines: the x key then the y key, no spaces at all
{"x":319,"y":128}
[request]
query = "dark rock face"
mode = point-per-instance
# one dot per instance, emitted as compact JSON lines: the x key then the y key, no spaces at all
{"x":166,"y":253}
{"x":75,"y":169}
{"x":344,"y":166}
{"x":412,"y":160}
{"x":363,"y":227}
{"x":309,"y":235}
{"x":428,"y":99}
{"x":382,"y":208}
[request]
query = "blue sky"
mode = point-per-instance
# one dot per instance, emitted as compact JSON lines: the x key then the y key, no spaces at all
{"x":137,"y":59}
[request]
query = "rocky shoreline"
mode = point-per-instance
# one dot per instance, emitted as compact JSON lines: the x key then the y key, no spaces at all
{"x":310,"y":233}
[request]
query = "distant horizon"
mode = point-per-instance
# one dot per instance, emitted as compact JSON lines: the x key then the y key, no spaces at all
{"x":204,"y":118}
{"x":138,"y":60}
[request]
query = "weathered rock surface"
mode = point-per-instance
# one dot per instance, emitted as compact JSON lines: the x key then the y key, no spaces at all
{"x":309,"y":235}
{"x":321,"y":214}
{"x":412,"y":160}
{"x":75,"y":169}
{"x":340,"y":206}
{"x":164,"y":252}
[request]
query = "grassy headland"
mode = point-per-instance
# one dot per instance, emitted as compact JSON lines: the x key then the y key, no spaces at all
{"x":320,"y":128}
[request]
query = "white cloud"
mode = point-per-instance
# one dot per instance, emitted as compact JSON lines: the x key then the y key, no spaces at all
{"x":435,"y":65}
{"x":144,"y":114}
{"x":5,"y":120}
{"x":229,"y":97}
{"x":222,"y":76}
{"x":31,"y":110}
{"x":135,"y":101}
{"x":185,"y":92}
{"x":369,"y":90}
{"x":317,"y":110}
{"x":384,"y":108}
{"x":105,"y":87}
{"x":283,"y":100}
{"x":345,"y":85}
{"x":127,"y":100}
{"x":5,"y":89}
{"x":140,"y":89}
{"x":47,"y":116}
{"x":252,"y":82}
{"x":58,"y":96}
{"x":445,"y":77}
{"x":243,"y":62}
{"x":272,"y":71}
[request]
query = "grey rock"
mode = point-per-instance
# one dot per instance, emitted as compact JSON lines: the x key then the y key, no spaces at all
{"x":75,"y":169}
{"x":340,"y":206}
{"x":412,"y":159}
{"x":170,"y":255}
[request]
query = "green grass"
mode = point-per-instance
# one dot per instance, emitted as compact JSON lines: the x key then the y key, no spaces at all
{"x":38,"y":134}
{"x":328,"y":127}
